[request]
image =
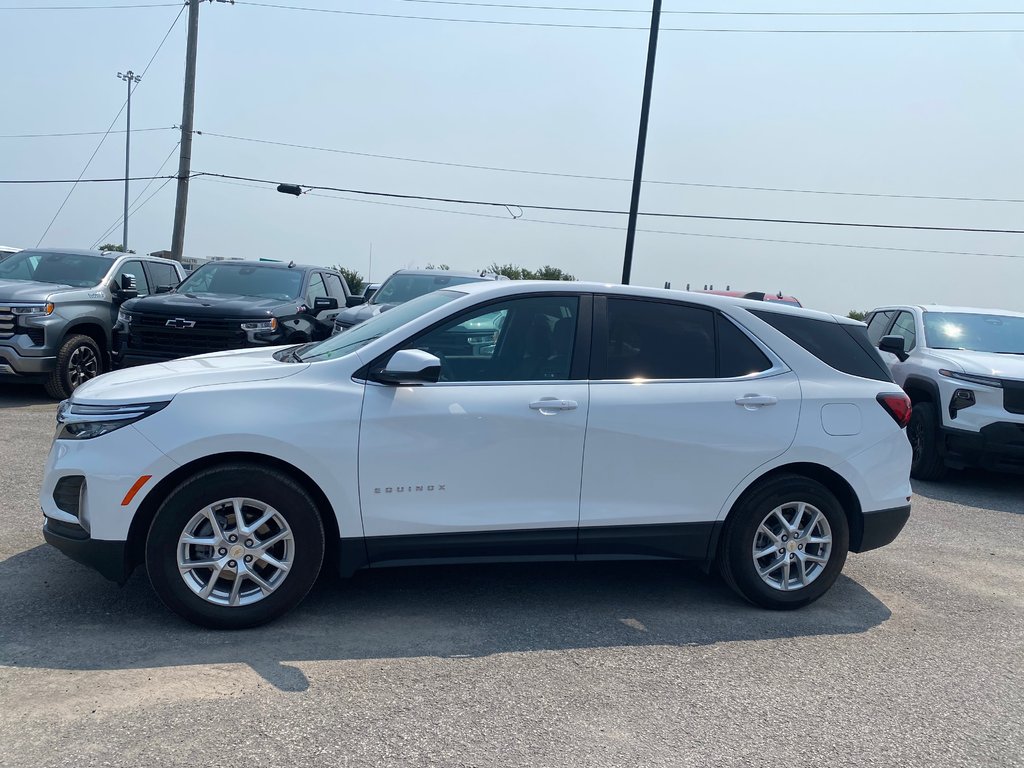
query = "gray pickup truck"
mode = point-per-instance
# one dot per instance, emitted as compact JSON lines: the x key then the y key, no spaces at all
{"x":58,"y":308}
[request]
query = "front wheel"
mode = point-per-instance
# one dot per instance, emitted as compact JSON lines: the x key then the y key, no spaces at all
{"x":78,"y":360}
{"x":235,"y":546}
{"x":785,"y":544}
{"x":924,"y":434}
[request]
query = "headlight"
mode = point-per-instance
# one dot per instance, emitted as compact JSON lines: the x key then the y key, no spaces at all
{"x":124,"y":317}
{"x":973,"y":378}
{"x":33,"y":310}
{"x":261,"y":325}
{"x":84,"y":422}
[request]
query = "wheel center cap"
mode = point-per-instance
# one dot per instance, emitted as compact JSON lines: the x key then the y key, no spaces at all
{"x":791,"y":546}
{"x":237,"y":550}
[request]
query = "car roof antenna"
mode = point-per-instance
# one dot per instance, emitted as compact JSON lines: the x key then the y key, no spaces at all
{"x":291,"y":264}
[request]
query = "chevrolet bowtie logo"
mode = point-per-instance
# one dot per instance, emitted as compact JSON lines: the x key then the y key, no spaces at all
{"x":180,"y":322}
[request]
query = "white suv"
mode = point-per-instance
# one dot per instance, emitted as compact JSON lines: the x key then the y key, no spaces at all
{"x":598,"y":422}
{"x":963,"y":368}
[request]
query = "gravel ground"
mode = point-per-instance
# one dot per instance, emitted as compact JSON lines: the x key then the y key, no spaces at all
{"x":915,"y":657}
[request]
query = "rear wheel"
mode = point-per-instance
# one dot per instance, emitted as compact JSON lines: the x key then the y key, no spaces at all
{"x":785,"y":544}
{"x":924,"y":435}
{"x":235,"y":546}
{"x":79,"y":359}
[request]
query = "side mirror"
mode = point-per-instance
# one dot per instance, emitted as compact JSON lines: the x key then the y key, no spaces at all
{"x":354,"y":301}
{"x":323,"y":304}
{"x":164,"y":289}
{"x":411,"y":366}
{"x":128,"y":283}
{"x":894,"y":345}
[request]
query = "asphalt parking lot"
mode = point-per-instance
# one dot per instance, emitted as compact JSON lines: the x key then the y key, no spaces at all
{"x":916,"y":656}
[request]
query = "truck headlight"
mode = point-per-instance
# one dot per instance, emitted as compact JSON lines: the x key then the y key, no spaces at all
{"x":33,"y":310}
{"x":973,"y":378}
{"x":84,"y":422}
{"x":124,"y":317}
{"x":261,"y":325}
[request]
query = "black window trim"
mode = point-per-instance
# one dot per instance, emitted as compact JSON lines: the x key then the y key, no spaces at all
{"x":578,"y":367}
{"x":600,"y":343}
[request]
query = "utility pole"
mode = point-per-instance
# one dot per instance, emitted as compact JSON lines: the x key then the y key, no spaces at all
{"x":641,"y":143}
{"x":131,"y":78}
{"x":187,"y":114}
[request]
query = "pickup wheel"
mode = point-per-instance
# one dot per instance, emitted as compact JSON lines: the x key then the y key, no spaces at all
{"x":235,"y":546}
{"x":78,"y":360}
{"x":923,"y":433}
{"x":785,"y":544}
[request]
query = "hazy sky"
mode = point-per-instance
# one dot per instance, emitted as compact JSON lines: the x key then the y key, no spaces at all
{"x":904,"y":114}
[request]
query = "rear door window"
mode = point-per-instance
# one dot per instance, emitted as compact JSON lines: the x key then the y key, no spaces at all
{"x":657,"y":340}
{"x":839,"y":345}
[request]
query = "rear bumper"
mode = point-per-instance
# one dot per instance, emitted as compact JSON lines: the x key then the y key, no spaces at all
{"x":998,"y":446}
{"x":876,"y":529}
{"x":109,"y":558}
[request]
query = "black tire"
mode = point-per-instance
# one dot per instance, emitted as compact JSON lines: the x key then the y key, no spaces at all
{"x":78,"y":360}
{"x":925,"y":437}
{"x":224,"y":482}
{"x":736,"y":561}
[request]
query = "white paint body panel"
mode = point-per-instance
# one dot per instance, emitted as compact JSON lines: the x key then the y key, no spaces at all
{"x":669,"y":452}
{"x":502,"y":465}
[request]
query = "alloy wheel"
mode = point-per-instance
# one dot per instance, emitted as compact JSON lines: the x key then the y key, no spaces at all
{"x":792,"y":546}
{"x":82,"y":366}
{"x":235,"y":552}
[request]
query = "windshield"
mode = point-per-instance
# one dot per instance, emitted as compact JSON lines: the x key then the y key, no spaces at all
{"x":244,"y":280}
{"x":399,"y":289}
{"x":76,"y":270}
{"x":359,"y":336}
{"x":1002,"y":334}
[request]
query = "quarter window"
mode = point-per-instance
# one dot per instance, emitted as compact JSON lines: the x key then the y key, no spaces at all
{"x":878,"y":325}
{"x":737,"y":354}
{"x":527,"y":339}
{"x":134,"y":268}
{"x":904,"y":326}
{"x":317,"y":289}
{"x":657,"y":340}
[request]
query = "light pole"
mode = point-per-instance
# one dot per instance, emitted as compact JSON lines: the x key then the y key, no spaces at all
{"x":131,"y":78}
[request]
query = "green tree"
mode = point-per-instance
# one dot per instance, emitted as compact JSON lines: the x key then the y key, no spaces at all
{"x":353,"y":278}
{"x":857,"y":315}
{"x":114,"y":247}
{"x":515,"y":272}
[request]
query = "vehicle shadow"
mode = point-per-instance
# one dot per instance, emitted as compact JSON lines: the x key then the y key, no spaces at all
{"x":23,"y":395}
{"x":995,"y":491}
{"x":60,"y":615}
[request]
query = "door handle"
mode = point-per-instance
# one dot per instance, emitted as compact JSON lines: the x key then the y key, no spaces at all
{"x":753,"y":402}
{"x":552,"y":404}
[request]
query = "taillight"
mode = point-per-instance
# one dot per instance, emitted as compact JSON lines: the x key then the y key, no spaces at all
{"x":898,"y":406}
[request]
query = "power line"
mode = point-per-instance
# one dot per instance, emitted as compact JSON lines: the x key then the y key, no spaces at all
{"x":590,"y":177}
{"x":537,"y":207}
{"x":603,"y":211}
{"x":89,"y":7}
{"x":77,"y":133}
{"x":120,"y":219}
{"x":503,"y":22}
{"x":103,"y":138}
{"x":515,"y":6}
{"x":622,"y":229}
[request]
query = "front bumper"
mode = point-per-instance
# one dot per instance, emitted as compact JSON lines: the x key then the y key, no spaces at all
{"x":14,"y":363}
{"x":109,"y":558}
{"x":872,"y":530}
{"x":998,"y":446}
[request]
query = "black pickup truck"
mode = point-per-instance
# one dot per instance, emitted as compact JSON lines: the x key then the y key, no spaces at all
{"x":226,"y":305}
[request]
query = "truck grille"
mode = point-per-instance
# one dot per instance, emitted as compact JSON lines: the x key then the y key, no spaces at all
{"x":1013,"y":396}
{"x":6,"y":323}
{"x":150,"y":335}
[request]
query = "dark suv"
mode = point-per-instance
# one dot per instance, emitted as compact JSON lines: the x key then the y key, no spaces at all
{"x":226,"y":305}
